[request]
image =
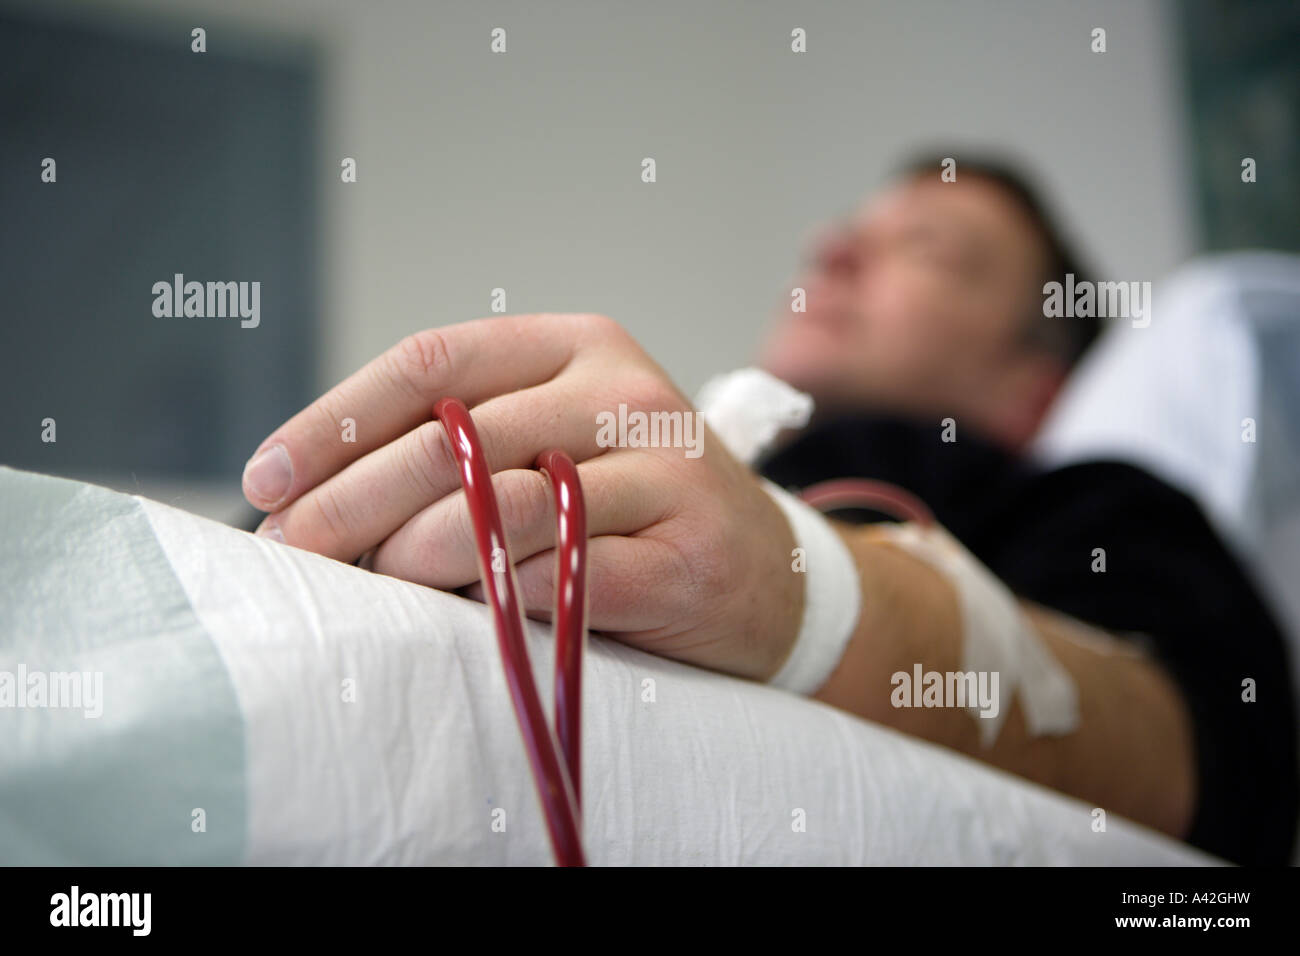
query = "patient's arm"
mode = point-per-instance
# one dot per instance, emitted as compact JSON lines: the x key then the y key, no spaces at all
{"x":1132,"y":752}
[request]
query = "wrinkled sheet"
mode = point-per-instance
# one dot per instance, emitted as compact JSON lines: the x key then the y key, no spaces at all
{"x":376,"y":728}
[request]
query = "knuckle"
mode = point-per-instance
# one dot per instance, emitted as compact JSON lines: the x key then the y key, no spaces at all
{"x":536,"y":578}
{"x":460,"y":527}
{"x":595,"y":327}
{"x":423,"y":358}
{"x":544,"y":571}
{"x":520,"y":497}
{"x":332,"y":515}
{"x":644,"y":391}
{"x":434,"y":457}
{"x":596,"y":323}
{"x":416,"y":461}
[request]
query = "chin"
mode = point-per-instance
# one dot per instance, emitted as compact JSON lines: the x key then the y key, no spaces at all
{"x":806,"y":373}
{"x":807,"y":356}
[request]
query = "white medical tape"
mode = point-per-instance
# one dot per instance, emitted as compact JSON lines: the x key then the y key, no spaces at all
{"x":997,"y":637}
{"x":832,"y":597}
{"x":747,"y":409}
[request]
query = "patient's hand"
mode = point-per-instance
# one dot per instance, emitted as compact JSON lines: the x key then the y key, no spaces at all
{"x":688,"y":557}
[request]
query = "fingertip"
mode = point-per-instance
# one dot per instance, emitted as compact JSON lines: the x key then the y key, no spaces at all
{"x":267,"y":477}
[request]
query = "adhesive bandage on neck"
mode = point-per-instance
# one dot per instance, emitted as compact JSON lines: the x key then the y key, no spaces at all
{"x":996,"y":638}
{"x":832,"y":597}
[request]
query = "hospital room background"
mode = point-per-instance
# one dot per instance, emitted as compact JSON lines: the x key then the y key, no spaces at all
{"x":482,"y":178}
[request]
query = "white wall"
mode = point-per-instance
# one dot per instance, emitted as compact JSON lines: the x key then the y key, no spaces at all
{"x":523,"y":170}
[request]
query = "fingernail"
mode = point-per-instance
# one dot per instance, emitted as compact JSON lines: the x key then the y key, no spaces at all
{"x":270,"y":529}
{"x":268,"y":476}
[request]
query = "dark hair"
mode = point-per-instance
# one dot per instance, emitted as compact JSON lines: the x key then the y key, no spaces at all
{"x":1066,"y":338}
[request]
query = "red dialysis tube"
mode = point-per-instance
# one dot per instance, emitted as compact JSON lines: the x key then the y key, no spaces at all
{"x":864,"y":493}
{"x":556,"y":779}
{"x":570,"y":607}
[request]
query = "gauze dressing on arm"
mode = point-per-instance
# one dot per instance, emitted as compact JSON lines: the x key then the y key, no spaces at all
{"x":996,"y":637}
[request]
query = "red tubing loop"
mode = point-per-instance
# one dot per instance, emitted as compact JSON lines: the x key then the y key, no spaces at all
{"x":875,"y":495}
{"x":557,"y":779}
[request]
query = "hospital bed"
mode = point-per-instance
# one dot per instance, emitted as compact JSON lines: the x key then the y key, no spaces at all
{"x":265,"y":705}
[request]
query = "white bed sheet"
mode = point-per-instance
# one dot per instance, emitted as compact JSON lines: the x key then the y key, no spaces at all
{"x":712,"y":770}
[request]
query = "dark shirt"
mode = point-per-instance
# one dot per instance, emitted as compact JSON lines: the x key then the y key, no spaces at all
{"x":1167,"y":576}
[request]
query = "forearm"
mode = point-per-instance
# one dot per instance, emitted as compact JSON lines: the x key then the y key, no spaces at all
{"x":1132,"y":752}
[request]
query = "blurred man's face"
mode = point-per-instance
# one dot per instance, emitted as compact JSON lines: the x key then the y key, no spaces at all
{"x":916,"y":305}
